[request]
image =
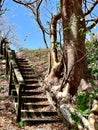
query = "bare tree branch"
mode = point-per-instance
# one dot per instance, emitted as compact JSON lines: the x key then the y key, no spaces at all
{"x":93,"y":6}
{"x":2,"y":11}
{"x":36,"y":11}
{"x":23,"y":2}
{"x":92,"y":25}
{"x":39,"y":22}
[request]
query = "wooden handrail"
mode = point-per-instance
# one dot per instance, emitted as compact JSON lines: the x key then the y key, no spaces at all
{"x":12,"y":70}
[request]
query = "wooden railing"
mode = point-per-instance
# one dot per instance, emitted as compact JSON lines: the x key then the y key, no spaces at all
{"x":16,"y":80}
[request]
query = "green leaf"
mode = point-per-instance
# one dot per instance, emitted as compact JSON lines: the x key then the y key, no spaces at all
{"x":20,"y":124}
{"x":1,"y":88}
{"x":56,"y":43}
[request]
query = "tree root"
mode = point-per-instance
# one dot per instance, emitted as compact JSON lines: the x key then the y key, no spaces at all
{"x":66,"y":108}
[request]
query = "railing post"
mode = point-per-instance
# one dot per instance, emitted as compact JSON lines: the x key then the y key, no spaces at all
{"x":2,"y":43}
{"x":10,"y":79}
{"x":6,"y":49}
{"x":19,"y":101}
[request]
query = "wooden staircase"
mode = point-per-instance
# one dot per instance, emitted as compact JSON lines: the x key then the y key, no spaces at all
{"x":31,"y":102}
{"x":35,"y":106}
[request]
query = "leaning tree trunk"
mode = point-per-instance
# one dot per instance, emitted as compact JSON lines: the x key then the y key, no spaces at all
{"x":74,"y":42}
{"x":55,"y":64}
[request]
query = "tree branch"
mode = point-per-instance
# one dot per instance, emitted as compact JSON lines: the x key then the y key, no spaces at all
{"x":2,"y":11}
{"x":36,"y":12}
{"x":65,"y":79}
{"x":90,"y":10}
{"x":92,"y":25}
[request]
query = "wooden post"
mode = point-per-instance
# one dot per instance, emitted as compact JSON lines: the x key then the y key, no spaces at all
{"x":6,"y":57}
{"x":1,"y":47}
{"x":10,"y":79}
{"x":19,"y":101}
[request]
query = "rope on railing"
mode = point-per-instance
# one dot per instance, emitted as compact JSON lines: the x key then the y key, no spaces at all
{"x":16,"y":80}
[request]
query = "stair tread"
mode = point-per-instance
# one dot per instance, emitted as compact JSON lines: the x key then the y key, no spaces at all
{"x":30,"y":76}
{"x":29,"y":72}
{"x":25,"y":69}
{"x":40,"y":119}
{"x":32,"y":97}
{"x":40,"y":112}
{"x":34,"y":90}
{"x":31,"y":79}
{"x":34,"y":84}
{"x":38,"y":88}
{"x":21,"y":59}
{"x":32,"y":94}
{"x":36,"y":104}
{"x":40,"y":102}
{"x":24,"y":65}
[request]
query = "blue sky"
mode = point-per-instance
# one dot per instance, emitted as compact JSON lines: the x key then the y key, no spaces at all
{"x":25,"y":26}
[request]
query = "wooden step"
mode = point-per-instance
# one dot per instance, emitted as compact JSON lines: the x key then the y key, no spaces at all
{"x":20,"y":63}
{"x":38,"y":107}
{"x":24,"y":66}
{"x":30,"y":106}
{"x":29,"y":76}
{"x":32,"y":86}
{"x":25,"y":69}
{"x":27,"y":92}
{"x":21,"y":59}
{"x":31,"y":121}
{"x":31,"y":81}
{"x":26,"y":72}
{"x":35,"y":114}
{"x":32,"y":99}
{"x":31,"y":93}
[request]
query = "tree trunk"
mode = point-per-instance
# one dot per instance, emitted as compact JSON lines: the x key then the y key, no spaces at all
{"x":55,"y":65}
{"x":74,"y":53}
{"x":74,"y":42}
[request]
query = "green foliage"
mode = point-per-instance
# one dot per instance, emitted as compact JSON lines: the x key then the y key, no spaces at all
{"x":1,"y":88}
{"x":69,"y":26}
{"x":56,"y":44}
{"x":75,"y":117}
{"x":21,"y":49}
{"x":82,"y":103}
{"x":3,"y":76}
{"x":92,"y":58}
{"x":20,"y":124}
{"x":83,"y":100}
{"x":76,"y":120}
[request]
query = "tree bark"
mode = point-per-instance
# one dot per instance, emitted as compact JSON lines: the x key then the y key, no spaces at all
{"x":55,"y":65}
{"x":74,"y":41}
